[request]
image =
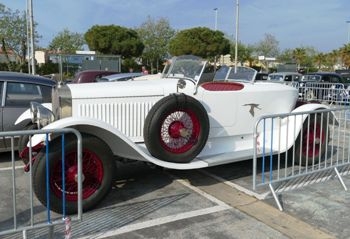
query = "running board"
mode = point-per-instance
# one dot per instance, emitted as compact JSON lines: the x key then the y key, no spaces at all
{"x":201,"y":161}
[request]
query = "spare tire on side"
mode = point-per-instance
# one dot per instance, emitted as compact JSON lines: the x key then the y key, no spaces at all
{"x":176,"y":128}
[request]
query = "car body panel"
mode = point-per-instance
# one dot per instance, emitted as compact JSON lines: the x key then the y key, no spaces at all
{"x":214,"y":153}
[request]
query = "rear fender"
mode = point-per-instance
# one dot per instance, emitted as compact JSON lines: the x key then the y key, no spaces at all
{"x":312,"y":107}
{"x":280,"y":135}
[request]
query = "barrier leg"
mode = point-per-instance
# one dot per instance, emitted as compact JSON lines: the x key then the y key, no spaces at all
{"x":340,"y":179}
{"x":275,"y":197}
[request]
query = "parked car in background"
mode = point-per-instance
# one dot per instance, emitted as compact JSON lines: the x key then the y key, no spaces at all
{"x":17,"y":91}
{"x":326,"y":77}
{"x":89,"y":76}
{"x":120,"y":77}
{"x":284,"y":77}
{"x":345,"y":74}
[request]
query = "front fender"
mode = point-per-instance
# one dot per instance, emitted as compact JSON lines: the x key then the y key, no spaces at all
{"x":119,"y":144}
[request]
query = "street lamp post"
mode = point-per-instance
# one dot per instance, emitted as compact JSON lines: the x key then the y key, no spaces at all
{"x":215,"y":28}
{"x":236,"y":40}
{"x":216,"y":19}
{"x":348,"y":22}
{"x":30,"y":36}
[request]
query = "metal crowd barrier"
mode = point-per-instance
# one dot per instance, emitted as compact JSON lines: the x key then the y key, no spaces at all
{"x":331,"y":93}
{"x":28,"y":215}
{"x":280,"y":167}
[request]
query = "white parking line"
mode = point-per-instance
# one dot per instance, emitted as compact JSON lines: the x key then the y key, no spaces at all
{"x":159,"y":221}
{"x":10,"y":168}
{"x":221,"y":206}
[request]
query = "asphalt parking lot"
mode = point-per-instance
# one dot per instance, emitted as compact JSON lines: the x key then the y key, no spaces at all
{"x":148,"y":202}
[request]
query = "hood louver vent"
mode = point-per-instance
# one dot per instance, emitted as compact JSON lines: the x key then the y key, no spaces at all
{"x":127,"y":117}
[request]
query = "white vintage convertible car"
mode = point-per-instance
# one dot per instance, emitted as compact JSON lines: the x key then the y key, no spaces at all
{"x":190,"y":117}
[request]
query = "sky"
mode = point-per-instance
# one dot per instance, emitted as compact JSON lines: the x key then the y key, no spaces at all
{"x":321,"y":24}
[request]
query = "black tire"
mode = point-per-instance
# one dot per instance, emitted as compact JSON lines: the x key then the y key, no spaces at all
{"x":312,"y":141}
{"x":176,"y":128}
{"x":98,"y":173}
{"x":23,"y":140}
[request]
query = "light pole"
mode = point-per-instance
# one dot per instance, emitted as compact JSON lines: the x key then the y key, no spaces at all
{"x":216,"y":19}
{"x":348,"y":22}
{"x":28,"y":37}
{"x":30,"y":27}
{"x":215,"y":28}
{"x":236,"y":40}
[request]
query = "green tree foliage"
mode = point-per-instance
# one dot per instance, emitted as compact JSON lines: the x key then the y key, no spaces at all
{"x":48,"y":68}
{"x":344,"y":53}
{"x":115,"y":40}
{"x":67,"y":42}
{"x":155,"y":35}
{"x":286,"y":56}
{"x":299,"y":55}
{"x":319,"y":60}
{"x":199,"y":41}
{"x":13,"y":35}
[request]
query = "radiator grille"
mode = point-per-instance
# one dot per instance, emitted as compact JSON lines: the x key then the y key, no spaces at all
{"x":125,"y":116}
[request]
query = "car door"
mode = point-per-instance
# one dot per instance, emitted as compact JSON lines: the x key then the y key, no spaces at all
{"x":17,"y":99}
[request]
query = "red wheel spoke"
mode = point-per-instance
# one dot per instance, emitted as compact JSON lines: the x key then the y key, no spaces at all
{"x":180,"y":131}
{"x":92,"y":175}
{"x":312,"y":140}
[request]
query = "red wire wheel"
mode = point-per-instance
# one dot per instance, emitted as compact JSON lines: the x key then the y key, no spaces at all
{"x":98,"y":170}
{"x":312,"y":141}
{"x":180,"y":131}
{"x":176,"y":128}
{"x":92,"y":175}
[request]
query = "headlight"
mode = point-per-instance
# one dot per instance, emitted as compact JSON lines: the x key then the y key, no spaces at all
{"x":40,"y":115}
{"x":44,"y":116}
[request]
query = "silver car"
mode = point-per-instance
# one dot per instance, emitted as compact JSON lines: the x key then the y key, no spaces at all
{"x":17,"y":90}
{"x":284,"y":77}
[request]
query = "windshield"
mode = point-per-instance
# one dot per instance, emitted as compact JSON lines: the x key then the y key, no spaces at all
{"x":242,"y":74}
{"x":199,"y":71}
{"x":188,"y":66}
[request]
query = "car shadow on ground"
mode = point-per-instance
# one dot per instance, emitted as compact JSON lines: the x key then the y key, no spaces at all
{"x":135,"y":179}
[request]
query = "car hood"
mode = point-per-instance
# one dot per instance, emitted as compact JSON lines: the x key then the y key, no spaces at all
{"x":136,"y":88}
